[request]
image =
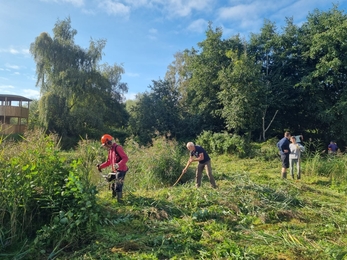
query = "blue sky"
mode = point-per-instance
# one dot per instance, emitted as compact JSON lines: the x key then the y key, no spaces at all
{"x":142,"y":35}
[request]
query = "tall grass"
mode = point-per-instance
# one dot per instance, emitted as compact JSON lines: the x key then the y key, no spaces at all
{"x":333,"y":167}
{"x":43,"y":196}
{"x":52,"y":206}
{"x":156,"y":166}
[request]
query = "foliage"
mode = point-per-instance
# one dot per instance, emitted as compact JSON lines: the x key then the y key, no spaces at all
{"x":253,"y":214}
{"x":242,"y":94}
{"x":322,"y":48}
{"x":203,"y":88}
{"x":78,"y":95}
{"x":266,"y":151}
{"x":291,"y":79}
{"x":246,"y":218}
{"x":43,"y":196}
{"x":220,"y":143}
{"x":157,"y":165}
{"x":156,"y":112}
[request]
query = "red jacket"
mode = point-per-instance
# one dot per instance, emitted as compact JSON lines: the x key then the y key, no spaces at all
{"x":116,"y":155}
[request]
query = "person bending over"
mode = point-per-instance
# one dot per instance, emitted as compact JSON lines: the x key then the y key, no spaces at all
{"x":198,"y":154}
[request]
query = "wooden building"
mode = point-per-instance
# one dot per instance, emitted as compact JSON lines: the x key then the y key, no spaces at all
{"x":14,"y":114}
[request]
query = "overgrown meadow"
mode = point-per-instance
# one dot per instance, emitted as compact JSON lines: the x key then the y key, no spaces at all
{"x":55,"y":205}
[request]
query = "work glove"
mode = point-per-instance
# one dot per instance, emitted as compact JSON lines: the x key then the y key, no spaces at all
{"x":98,"y":166}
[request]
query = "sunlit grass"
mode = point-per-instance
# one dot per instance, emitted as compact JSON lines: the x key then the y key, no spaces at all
{"x":253,"y":214}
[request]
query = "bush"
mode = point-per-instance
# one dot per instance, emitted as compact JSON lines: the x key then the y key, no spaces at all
{"x":43,"y":193}
{"x":268,"y":150}
{"x":157,"y":165}
{"x":224,"y":143}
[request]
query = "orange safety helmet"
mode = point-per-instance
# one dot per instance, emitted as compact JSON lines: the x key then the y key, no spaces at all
{"x":106,"y":139}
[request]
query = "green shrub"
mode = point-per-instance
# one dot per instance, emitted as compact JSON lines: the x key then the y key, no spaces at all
{"x":41,"y":188}
{"x":267,"y":150}
{"x":157,"y":165}
{"x":224,"y":143}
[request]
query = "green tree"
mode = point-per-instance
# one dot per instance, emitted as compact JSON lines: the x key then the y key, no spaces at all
{"x":78,"y":94}
{"x":274,"y":52}
{"x":203,"y":87}
{"x":242,"y":94}
{"x":156,"y":112}
{"x":324,"y":57}
{"x":33,"y":115}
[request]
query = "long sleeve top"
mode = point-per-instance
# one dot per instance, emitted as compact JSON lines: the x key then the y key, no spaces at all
{"x":116,"y":155}
{"x":295,"y":151}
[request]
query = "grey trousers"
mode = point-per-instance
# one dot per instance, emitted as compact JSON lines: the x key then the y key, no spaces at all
{"x":208,"y":168}
{"x":292,"y":162}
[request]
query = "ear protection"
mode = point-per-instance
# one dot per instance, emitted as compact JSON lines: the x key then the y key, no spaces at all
{"x":108,"y":142}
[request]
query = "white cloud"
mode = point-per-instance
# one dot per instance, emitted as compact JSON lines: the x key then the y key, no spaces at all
{"x":139,"y":3}
{"x":31,"y":93}
{"x":114,"y":8}
{"x":77,"y":3}
{"x":25,"y":51}
{"x":184,"y":8}
{"x":130,"y":96}
{"x":248,"y":16}
{"x":153,"y":31}
{"x":298,"y":10}
{"x":15,"y":51}
{"x":10,"y":50}
{"x":198,"y":26}
{"x":88,"y":11}
{"x":239,"y":12}
{"x":132,"y":74}
{"x":153,"y":34}
{"x":7,"y":89}
{"x":173,"y":8}
{"x":10,"y":66}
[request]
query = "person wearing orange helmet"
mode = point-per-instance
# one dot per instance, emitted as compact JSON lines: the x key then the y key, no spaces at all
{"x":117,"y":159}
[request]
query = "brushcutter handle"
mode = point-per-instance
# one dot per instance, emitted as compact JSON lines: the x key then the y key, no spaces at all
{"x":108,"y":175}
{"x":98,"y":166}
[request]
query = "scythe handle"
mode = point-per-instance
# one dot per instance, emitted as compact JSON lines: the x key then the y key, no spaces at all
{"x":179,"y":178}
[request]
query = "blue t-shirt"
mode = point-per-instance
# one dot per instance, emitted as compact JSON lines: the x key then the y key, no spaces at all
{"x":333,"y":147}
{"x":198,"y":150}
{"x":282,"y":145}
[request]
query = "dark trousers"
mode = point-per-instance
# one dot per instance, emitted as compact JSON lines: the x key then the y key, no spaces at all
{"x":118,"y":178}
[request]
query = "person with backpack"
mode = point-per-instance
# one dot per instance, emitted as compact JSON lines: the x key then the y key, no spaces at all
{"x":117,"y":159}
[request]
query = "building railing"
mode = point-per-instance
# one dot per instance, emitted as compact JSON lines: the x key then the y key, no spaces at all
{"x":11,"y":111}
{"x":12,"y":129}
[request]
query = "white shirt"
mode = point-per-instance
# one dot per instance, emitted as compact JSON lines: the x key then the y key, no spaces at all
{"x":295,"y":150}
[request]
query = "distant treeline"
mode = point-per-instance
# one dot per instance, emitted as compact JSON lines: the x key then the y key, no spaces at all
{"x":275,"y":81}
